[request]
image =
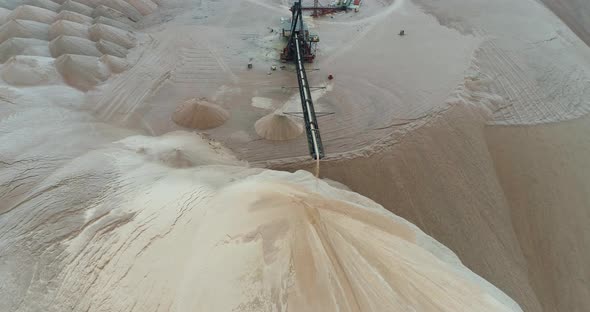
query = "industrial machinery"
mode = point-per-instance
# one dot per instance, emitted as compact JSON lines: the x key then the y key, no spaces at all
{"x":300,"y":49}
{"x":336,"y":6}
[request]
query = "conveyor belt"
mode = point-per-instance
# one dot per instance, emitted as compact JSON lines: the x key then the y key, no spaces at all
{"x":298,"y":51}
{"x":314,"y":140}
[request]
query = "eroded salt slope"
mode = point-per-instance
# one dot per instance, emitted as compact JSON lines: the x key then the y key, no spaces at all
{"x":175,"y":223}
{"x":99,"y":218}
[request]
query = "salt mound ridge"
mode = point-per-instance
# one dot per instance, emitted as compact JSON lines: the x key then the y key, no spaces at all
{"x":68,"y":28}
{"x":23,"y":46}
{"x":110,"y":13}
{"x":73,"y":45}
{"x":76,"y":7}
{"x":74,"y":17}
{"x":24,"y":29}
{"x":115,"y":64}
{"x":200,"y":114}
{"x":31,"y":13}
{"x":3,"y":15}
{"x":111,"y":22}
{"x":88,"y":49}
{"x":109,"y":48}
{"x":290,"y":240}
{"x":278,"y":127}
{"x":45,"y":4}
{"x":81,"y":71}
{"x":144,"y":7}
{"x":123,"y":7}
{"x":121,"y":37}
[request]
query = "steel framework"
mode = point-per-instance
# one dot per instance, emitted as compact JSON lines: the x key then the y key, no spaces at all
{"x":298,"y":50}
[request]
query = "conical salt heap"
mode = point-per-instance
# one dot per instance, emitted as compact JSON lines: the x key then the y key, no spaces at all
{"x":199,"y":114}
{"x":278,"y":127}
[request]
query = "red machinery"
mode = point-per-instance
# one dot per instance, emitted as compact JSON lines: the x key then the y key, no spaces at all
{"x":308,"y":40}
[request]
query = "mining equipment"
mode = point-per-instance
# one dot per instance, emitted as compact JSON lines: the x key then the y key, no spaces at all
{"x":336,"y":6}
{"x":300,"y":48}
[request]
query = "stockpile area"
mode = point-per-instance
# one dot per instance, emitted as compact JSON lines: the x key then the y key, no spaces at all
{"x":153,"y":157}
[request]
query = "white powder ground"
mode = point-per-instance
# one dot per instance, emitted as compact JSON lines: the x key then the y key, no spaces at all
{"x":99,"y":213}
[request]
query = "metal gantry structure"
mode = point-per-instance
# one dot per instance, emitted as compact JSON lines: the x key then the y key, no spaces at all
{"x":336,"y":6}
{"x":300,"y":49}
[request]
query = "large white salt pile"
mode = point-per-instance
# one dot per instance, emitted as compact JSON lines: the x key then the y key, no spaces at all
{"x":32,"y":13}
{"x":67,"y":28}
{"x":177,"y":221}
{"x":30,"y":71}
{"x":23,"y":46}
{"x":113,"y":34}
{"x":73,"y":45}
{"x":200,"y":114}
{"x":24,"y":29}
{"x":278,"y":127}
{"x":82,"y":72}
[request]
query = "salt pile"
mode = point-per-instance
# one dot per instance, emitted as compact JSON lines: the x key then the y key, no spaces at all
{"x":24,"y":29}
{"x":144,"y":7}
{"x":31,"y":13}
{"x":200,"y":114}
{"x":73,"y":45}
{"x":115,"y":64}
{"x":121,"y":37}
{"x":107,"y":47}
{"x":74,"y":17}
{"x":278,"y":127}
{"x":23,"y":46}
{"x":67,"y":28}
{"x":81,"y":71}
{"x":76,"y":7}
